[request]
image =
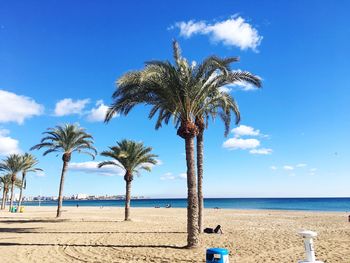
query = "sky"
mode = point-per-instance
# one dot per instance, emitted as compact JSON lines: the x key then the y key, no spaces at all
{"x":59,"y":61}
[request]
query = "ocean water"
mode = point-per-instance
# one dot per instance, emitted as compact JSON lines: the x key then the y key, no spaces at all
{"x":307,"y":204}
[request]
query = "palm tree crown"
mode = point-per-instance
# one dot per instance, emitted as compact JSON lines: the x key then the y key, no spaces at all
{"x":67,"y":138}
{"x":130,"y":156}
{"x":12,"y":164}
{"x":29,"y":163}
{"x":181,"y":90}
{"x":6,"y":180}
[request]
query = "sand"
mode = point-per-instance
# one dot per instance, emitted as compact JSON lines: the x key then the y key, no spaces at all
{"x":92,"y":234}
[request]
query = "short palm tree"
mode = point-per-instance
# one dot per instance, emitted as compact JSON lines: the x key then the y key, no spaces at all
{"x":5,"y":183}
{"x":12,"y":164}
{"x":68,"y":138}
{"x":29,"y":163}
{"x":180,"y":91}
{"x":132,"y":157}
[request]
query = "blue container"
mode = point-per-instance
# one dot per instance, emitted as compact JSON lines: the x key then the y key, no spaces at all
{"x":217,"y":255}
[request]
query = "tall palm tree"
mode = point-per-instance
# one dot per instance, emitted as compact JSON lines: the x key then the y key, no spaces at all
{"x":29,"y":163}
{"x":68,"y":138}
{"x":132,"y":157}
{"x":219,"y":103}
{"x":180,"y":91}
{"x":12,"y":164}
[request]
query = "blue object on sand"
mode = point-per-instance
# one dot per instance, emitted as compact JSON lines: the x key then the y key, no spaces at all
{"x":219,"y":255}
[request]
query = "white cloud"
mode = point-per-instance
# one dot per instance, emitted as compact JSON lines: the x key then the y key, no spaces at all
{"x":225,"y":89}
{"x":8,"y":145}
{"x":99,"y":112}
{"x":91,"y":168}
{"x":158,"y":162}
{"x":187,"y":29}
{"x":68,"y":106}
{"x":183,"y":175}
{"x":312,"y":171}
{"x":288,"y":167}
{"x":17,"y":108}
{"x":300,"y":165}
{"x":242,"y":85}
{"x":171,"y":176}
{"x":243,"y":130}
{"x":40,"y":174}
{"x":251,"y":144}
{"x":237,"y":143}
{"x":262,"y":151}
{"x":234,"y":31}
{"x":167,"y":176}
{"x":273,"y":168}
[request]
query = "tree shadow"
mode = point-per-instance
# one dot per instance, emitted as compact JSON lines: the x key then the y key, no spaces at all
{"x":58,"y":220}
{"x":34,"y":221}
{"x":18,"y":230}
{"x":34,"y":231}
{"x":9,"y":244}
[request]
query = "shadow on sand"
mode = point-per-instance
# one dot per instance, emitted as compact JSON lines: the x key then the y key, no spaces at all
{"x":37,"y":231}
{"x":18,"y":230}
{"x":9,"y":244}
{"x":14,"y":221}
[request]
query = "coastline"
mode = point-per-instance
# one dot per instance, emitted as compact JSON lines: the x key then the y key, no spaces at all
{"x":54,"y":206}
{"x":158,"y":234}
{"x":279,"y":204}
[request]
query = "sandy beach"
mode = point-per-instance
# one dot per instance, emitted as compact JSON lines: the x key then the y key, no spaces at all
{"x":90,"y":234}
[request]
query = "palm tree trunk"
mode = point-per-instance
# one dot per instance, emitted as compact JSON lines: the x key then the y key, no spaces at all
{"x":12,"y":192}
{"x":200,"y":151}
{"x":192,"y":198}
{"x":3,"y":203}
{"x":60,"y":193}
{"x":127,"y":200}
{"x":21,"y":191}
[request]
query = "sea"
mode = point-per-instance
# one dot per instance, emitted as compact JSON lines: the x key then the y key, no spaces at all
{"x":301,"y":204}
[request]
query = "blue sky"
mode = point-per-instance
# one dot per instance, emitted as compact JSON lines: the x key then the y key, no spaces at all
{"x":59,"y":61}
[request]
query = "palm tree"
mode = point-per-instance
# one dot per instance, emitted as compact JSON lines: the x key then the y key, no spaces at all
{"x":5,"y":182}
{"x":68,"y":138}
{"x":12,"y":164}
{"x":180,"y":91}
{"x":132,"y":157}
{"x":219,"y":103}
{"x":29,"y":163}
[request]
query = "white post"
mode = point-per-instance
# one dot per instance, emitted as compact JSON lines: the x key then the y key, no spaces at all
{"x":309,"y":246}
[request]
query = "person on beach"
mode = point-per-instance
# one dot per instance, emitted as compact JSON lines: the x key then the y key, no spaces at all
{"x":216,"y":230}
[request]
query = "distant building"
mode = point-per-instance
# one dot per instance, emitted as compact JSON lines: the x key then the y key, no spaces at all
{"x":81,"y":196}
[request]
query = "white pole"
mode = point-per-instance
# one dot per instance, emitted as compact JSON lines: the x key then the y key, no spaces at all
{"x":309,"y":246}
{"x":309,"y":249}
